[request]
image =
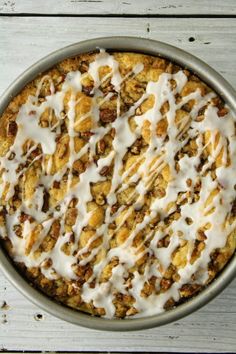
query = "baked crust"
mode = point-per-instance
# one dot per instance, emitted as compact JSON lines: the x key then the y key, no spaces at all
{"x":113,"y":169}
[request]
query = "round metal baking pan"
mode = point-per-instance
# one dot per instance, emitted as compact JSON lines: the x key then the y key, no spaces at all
{"x":214,"y":80}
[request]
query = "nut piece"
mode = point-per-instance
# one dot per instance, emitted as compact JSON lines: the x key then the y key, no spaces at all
{"x":101,"y":146}
{"x":222,"y":112}
{"x":112,"y":132}
{"x":108,"y":115}
{"x":12,"y":128}
{"x":201,"y":236}
{"x":164,"y":242}
{"x":105,"y":171}
{"x":46,"y":197}
{"x":83,"y":67}
{"x":56,"y":184}
{"x":88,"y":90}
{"x":86,"y":134}
{"x":78,"y":167}
{"x":71,"y":216}
{"x":165,"y":284}
{"x":233,"y":209}
{"x":189,"y":182}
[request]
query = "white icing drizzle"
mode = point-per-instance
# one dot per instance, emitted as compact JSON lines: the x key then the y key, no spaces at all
{"x":160,"y":153}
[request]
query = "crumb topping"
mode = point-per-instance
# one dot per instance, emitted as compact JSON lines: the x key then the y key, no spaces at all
{"x":117,"y":189}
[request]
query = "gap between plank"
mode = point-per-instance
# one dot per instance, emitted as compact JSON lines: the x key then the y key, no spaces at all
{"x":117,"y":15}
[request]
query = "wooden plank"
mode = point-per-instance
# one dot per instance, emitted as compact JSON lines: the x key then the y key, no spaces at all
{"x":25,"y":41}
{"x":212,"y":329}
{"x":126,"y":7}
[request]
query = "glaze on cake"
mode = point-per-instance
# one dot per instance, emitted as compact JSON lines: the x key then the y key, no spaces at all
{"x":117,"y":183}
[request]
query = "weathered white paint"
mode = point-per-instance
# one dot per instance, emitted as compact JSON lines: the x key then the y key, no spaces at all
{"x":22,"y":42}
{"x":25,"y":40}
{"x":151,"y":7}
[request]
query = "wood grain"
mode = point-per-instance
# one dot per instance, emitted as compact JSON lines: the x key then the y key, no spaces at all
{"x":121,"y":7}
{"x":24,"y":41}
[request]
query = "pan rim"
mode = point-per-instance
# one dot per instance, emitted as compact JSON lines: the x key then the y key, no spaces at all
{"x":208,"y":75}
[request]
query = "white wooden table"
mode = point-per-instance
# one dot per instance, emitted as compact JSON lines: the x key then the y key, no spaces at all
{"x":30,"y":29}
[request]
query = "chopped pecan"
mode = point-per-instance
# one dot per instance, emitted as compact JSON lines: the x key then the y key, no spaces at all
{"x":189,"y":289}
{"x":165,"y":284}
{"x":72,"y":238}
{"x":113,"y":132}
{"x":46,"y":197}
{"x":60,"y":79}
{"x":73,"y":203}
{"x":186,"y":72}
{"x":199,"y":118}
{"x":172,"y":68}
{"x":84,"y":65}
{"x":194,"y":78}
{"x":12,"y":128}
{"x":189,"y":182}
{"x":54,"y":231}
{"x":164,"y":242}
{"x":217,"y":101}
{"x":92,"y":284}
{"x":131,"y":311}
{"x":188,"y":221}
{"x":104,"y":171}
{"x":23,"y":217}
{"x":186,"y":107}
{"x":202,"y":110}
{"x":71,"y":216}
{"x":12,"y":156}
{"x":3,"y":212}
{"x":86,"y":135}
{"x":135,"y":150}
{"x":21,"y":167}
{"x":88,"y":90}
{"x":63,"y":127}
{"x":83,"y":271}
{"x":177,"y":98}
{"x":201,"y":236}
{"x":153,"y":223}
{"x":56,"y":184}
{"x":169,"y":304}
{"x":233,"y":209}
{"x":79,"y":167}
{"x":114,"y":208}
{"x":36,"y":152}
{"x":62,"y":151}
{"x":222,"y":112}
{"x":101,"y":146}
{"x":18,"y":230}
{"x":108,"y":115}
{"x":149,"y":287}
{"x":107,"y":87}
{"x":173,"y":84}
{"x":100,"y":311}
{"x":169,"y":68}
{"x":47,"y":263}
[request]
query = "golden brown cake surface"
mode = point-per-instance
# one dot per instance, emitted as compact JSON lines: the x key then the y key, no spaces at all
{"x":117,"y":183}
